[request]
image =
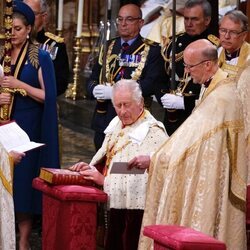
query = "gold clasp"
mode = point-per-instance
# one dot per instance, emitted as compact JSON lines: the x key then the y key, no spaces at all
{"x":13,"y":91}
{"x":5,"y":110}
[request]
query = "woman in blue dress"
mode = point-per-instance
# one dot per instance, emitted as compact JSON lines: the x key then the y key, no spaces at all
{"x":32,"y":70}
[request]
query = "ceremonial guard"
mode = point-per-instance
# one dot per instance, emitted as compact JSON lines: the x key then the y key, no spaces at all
{"x":51,"y":43}
{"x":180,"y":102}
{"x":127,"y":57}
{"x":56,"y":47}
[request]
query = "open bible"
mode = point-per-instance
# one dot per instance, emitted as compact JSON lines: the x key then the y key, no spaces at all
{"x":13,"y":137}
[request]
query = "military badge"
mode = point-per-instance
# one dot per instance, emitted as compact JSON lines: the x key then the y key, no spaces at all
{"x":128,"y":60}
{"x":51,"y":49}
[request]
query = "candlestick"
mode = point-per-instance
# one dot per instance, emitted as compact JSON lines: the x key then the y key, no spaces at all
{"x":60,"y":16}
{"x":79,"y":19}
{"x":75,"y":90}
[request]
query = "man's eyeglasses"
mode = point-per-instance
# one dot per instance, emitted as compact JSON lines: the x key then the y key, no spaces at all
{"x":231,"y":33}
{"x":127,"y":20}
{"x":190,"y":66}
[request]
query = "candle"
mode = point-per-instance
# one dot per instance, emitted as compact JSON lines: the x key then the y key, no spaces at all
{"x":60,"y":15}
{"x":79,"y":19}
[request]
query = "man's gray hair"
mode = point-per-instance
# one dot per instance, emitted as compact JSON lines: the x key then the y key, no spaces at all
{"x":238,"y":16}
{"x":205,"y":5}
{"x":43,"y":6}
{"x":131,"y":85}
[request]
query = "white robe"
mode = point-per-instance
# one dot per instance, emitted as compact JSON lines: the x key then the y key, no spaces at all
{"x":128,"y":191}
{"x":7,"y":218}
{"x":201,"y":174}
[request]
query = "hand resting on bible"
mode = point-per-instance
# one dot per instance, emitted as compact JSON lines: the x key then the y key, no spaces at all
{"x":88,"y":172}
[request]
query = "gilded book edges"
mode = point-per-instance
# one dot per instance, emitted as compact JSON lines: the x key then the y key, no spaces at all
{"x":57,"y":176}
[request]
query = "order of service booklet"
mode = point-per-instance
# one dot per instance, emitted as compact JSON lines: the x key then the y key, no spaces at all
{"x":122,"y":168}
{"x":13,"y":137}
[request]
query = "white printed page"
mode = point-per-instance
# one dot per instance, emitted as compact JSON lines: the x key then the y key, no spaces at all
{"x":15,"y":138}
{"x":27,"y":147}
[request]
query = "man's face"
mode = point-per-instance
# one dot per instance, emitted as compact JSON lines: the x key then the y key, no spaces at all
{"x":129,"y":22}
{"x":194,"y":20}
{"x":231,"y":35}
{"x":40,"y":17}
{"x":127,"y":109}
{"x":195,"y":66}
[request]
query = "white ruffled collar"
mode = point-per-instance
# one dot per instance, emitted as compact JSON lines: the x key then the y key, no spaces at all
{"x":138,"y":133}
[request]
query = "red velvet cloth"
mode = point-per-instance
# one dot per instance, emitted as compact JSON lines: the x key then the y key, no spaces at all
{"x":69,"y":215}
{"x":70,"y":192}
{"x":178,"y":237}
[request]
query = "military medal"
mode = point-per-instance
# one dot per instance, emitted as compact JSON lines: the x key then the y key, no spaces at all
{"x":127,"y":60}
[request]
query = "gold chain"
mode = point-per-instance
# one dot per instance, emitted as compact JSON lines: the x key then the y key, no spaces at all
{"x":111,"y":151}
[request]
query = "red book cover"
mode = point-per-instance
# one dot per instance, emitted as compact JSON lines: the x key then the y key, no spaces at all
{"x":57,"y":176}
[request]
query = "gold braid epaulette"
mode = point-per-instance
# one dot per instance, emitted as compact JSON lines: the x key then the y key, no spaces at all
{"x":214,"y":40}
{"x":149,"y":42}
{"x":54,"y":37}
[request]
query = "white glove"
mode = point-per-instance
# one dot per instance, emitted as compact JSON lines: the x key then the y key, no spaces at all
{"x":102,"y":91}
{"x":170,"y":101}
